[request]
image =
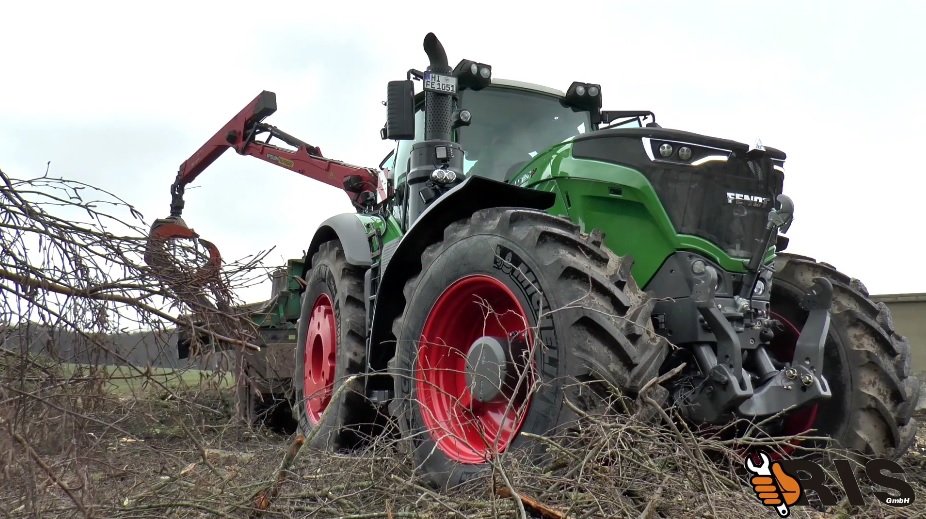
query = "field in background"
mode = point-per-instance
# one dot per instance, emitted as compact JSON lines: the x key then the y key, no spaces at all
{"x":111,"y":379}
{"x":128,"y":380}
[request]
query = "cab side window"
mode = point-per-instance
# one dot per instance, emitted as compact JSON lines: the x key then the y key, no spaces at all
{"x":400,"y":171}
{"x":386,"y":167}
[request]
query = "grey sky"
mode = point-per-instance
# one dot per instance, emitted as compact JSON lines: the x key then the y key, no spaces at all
{"x":119,"y":94}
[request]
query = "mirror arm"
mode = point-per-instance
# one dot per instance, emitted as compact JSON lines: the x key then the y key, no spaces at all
{"x":778,"y":220}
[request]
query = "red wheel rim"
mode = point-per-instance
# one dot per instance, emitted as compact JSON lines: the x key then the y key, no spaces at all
{"x":466,"y":430}
{"x":802,"y":420}
{"x":319,"y":358}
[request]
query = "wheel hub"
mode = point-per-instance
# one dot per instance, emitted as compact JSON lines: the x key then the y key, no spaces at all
{"x":486,"y":367}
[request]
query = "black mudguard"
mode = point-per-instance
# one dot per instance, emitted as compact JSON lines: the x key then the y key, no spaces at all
{"x":473,"y":194}
{"x":347,"y":228}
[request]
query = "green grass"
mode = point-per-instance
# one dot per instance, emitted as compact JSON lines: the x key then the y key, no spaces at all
{"x":115,"y":380}
{"x":124,"y":380}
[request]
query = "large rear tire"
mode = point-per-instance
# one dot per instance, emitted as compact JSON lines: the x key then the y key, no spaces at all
{"x":576,"y":313}
{"x":867,"y":364}
{"x":330,"y":348}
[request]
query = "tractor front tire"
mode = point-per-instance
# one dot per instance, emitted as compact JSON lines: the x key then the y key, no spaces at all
{"x":572,"y":307}
{"x":330,"y":349}
{"x":866,"y":362}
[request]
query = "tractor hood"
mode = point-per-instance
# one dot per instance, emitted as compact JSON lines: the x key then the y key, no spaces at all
{"x":718,"y":189}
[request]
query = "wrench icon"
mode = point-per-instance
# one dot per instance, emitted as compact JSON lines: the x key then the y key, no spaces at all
{"x":765,"y":469}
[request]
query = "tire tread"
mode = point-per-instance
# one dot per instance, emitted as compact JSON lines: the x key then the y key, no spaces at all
{"x":355,"y":410}
{"x":880,"y":420}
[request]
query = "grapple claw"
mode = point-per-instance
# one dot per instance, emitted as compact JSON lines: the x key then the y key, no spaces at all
{"x":166,"y":229}
{"x":199,"y":286}
{"x":190,"y":283}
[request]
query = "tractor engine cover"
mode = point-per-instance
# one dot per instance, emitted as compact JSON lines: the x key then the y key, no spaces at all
{"x":716,"y":189}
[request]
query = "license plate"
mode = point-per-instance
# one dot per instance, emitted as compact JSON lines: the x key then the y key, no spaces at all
{"x":441,"y":84}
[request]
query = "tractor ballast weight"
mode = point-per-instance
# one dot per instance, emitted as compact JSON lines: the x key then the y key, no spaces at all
{"x":608,"y":240}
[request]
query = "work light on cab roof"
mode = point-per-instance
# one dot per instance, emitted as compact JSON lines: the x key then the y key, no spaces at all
{"x":473,"y":75}
{"x":583,"y":97}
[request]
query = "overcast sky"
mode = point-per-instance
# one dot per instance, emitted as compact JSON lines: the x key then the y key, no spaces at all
{"x":119,"y":94}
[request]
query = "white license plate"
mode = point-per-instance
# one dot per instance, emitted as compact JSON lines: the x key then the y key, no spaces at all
{"x":438,"y":83}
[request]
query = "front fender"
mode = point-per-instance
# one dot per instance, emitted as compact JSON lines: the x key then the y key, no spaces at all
{"x":347,"y":228}
{"x":473,"y":194}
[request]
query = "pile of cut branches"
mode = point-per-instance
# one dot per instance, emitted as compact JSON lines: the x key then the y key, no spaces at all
{"x":186,"y":458}
{"x":84,"y":326}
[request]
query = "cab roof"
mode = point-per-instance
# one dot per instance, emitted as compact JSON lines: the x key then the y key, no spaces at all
{"x":512,"y":84}
{"x":523,"y":85}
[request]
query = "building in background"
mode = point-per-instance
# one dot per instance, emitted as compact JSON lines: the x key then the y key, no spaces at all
{"x":909,"y":313}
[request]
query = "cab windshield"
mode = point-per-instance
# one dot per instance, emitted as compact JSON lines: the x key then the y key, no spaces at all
{"x":510,"y":127}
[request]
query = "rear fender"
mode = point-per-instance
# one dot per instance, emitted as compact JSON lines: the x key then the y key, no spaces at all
{"x":473,"y":194}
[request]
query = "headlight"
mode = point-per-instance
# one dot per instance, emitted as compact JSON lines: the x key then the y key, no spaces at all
{"x":760,"y":288}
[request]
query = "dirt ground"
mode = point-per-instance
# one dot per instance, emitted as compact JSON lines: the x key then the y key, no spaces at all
{"x":916,"y":458}
{"x":182,"y":459}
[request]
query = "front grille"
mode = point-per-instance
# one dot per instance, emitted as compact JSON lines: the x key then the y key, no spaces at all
{"x":726,"y":203}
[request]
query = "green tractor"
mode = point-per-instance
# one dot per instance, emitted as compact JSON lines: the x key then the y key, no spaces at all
{"x":521,"y":247}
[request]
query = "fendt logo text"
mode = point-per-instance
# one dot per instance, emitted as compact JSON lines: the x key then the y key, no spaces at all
{"x":751,"y":200}
{"x":784,"y":484}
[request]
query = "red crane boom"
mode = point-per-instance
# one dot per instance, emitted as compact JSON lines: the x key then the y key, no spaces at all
{"x":240,"y":134}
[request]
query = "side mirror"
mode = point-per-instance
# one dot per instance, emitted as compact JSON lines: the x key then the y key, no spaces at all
{"x":782,"y":218}
{"x":400,"y":110}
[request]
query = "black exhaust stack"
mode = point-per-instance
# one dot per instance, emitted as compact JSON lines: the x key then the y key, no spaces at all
{"x":436,"y":164}
{"x":438,"y":106}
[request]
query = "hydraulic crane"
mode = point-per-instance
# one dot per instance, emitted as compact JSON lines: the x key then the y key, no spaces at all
{"x":240,"y":134}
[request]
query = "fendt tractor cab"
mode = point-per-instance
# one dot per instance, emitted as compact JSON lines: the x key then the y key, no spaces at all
{"x":522,"y":247}
{"x":514,"y":122}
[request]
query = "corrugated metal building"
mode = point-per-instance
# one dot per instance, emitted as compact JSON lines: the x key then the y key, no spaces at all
{"x":909,"y":313}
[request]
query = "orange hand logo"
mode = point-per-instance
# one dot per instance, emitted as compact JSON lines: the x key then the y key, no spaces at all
{"x":773,"y":486}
